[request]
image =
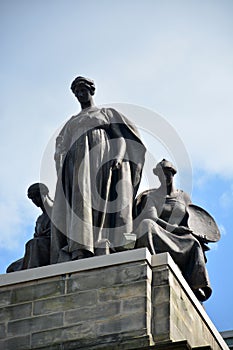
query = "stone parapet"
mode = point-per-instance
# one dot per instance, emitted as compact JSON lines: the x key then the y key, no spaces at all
{"x":127,"y":300}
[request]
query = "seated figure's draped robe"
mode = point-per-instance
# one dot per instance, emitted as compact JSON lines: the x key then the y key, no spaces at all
{"x":185,"y":249}
{"x":93,"y":201}
{"x":37,"y":249}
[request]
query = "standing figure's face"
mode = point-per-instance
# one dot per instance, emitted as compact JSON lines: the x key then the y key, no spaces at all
{"x":83,"y":93}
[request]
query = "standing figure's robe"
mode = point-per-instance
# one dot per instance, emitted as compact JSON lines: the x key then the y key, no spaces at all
{"x":93,"y":201}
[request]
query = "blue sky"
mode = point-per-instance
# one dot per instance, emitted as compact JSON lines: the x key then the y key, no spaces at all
{"x":172,"y":57}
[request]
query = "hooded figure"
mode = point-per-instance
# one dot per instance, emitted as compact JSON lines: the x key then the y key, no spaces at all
{"x":99,"y":159}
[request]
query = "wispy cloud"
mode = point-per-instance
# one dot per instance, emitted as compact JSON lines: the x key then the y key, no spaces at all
{"x":222,"y":229}
{"x":226,"y":200}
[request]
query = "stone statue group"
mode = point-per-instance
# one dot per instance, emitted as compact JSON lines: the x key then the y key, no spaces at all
{"x":99,"y":160}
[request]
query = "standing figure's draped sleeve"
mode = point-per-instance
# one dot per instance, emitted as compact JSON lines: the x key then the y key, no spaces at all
{"x":62,"y":146}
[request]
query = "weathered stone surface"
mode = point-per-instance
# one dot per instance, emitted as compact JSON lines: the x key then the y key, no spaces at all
{"x":161,"y":294}
{"x":38,"y":291}
{"x":127,"y":341}
{"x":112,"y":276}
{"x":5,"y":298}
{"x":160,"y":276}
{"x":161,"y":321}
{"x":124,"y":291}
{"x":65,"y":302}
{"x":122,"y":324}
{"x":97,"y":313}
{"x":19,"y":343}
{"x":133,"y":305}
{"x":2,"y":330}
{"x":34,"y":324}
{"x":57,"y":336}
{"x":16,"y":312}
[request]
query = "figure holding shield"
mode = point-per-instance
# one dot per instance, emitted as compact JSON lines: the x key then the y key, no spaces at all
{"x":167,"y":221}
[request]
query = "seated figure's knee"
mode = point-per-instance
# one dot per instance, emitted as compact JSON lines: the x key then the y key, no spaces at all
{"x":147,"y":226}
{"x":144,"y":235}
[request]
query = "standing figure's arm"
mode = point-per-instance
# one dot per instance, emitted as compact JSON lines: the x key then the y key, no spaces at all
{"x":120,"y":145}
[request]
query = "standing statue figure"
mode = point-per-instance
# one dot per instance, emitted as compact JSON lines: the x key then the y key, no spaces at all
{"x":37,"y":249}
{"x":164,"y":216}
{"x":99,"y":159}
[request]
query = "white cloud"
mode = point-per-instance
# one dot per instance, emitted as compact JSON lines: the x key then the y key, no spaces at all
{"x":222,"y":229}
{"x":226,"y":200}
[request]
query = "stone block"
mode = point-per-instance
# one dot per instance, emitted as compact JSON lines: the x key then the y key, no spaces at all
{"x":40,"y":290}
{"x":114,"y":275}
{"x":98,"y":312}
{"x":82,"y":330}
{"x":122,"y":324}
{"x":34,"y":324}
{"x":161,"y":294}
{"x":16,"y":343}
{"x":2,"y":330}
{"x":65,"y":302}
{"x":16,"y":312}
{"x":136,"y":289}
{"x":117,"y":341}
{"x":160,"y":276}
{"x":161,"y":322}
{"x":5,"y":298}
{"x":134,"y":305}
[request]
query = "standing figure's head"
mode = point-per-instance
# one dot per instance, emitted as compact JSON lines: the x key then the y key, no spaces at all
{"x":83,"y":89}
{"x":165,"y":171}
{"x":37,"y":193}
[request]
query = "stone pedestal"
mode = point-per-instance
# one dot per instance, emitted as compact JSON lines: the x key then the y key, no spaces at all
{"x":127,"y":300}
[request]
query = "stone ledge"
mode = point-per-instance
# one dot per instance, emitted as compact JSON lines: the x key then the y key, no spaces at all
{"x":75,"y":266}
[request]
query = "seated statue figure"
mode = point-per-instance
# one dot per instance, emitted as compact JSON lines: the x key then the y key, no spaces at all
{"x":167,"y":221}
{"x":37,"y":249}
